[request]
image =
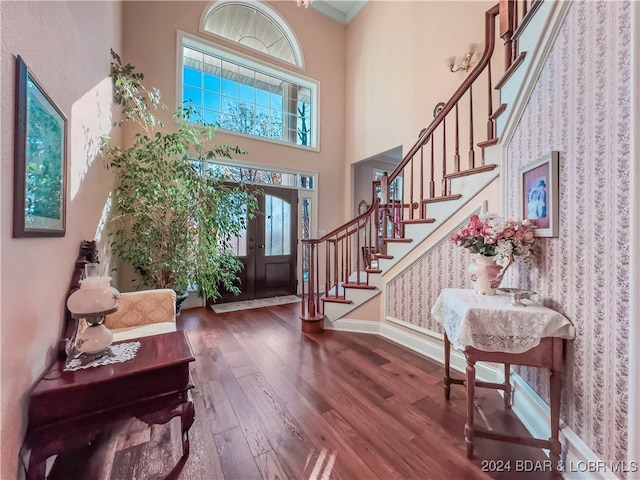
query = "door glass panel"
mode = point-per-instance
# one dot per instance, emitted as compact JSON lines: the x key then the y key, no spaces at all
{"x":277,"y":226}
{"x":306,"y":229}
{"x":238,"y":245}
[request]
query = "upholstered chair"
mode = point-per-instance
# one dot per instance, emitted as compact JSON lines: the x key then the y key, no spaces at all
{"x":143,"y":313}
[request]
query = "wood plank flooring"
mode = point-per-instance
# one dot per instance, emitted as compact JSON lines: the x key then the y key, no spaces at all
{"x":272,"y":403}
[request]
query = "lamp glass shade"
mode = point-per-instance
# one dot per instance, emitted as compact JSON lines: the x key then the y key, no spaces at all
{"x":94,"y":297}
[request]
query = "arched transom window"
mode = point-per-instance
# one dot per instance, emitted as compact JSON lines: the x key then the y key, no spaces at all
{"x":254,"y":26}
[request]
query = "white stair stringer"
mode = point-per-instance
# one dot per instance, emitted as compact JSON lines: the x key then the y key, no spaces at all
{"x":334,"y":311}
{"x":536,"y":41}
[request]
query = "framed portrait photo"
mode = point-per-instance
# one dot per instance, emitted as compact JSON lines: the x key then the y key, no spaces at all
{"x":539,"y":195}
{"x":40,"y":160}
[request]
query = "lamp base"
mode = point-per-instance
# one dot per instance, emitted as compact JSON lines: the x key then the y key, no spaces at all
{"x":93,"y":339}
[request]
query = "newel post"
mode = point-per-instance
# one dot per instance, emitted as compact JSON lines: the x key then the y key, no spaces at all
{"x":384,"y":188}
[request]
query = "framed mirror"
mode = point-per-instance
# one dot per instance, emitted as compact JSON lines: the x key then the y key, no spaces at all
{"x":40,"y":160}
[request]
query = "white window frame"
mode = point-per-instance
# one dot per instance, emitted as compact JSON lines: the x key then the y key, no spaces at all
{"x":268,"y":12}
{"x":192,"y":41}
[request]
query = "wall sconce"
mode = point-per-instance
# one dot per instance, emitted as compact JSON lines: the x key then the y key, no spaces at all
{"x":465,"y":62}
{"x":304,"y":3}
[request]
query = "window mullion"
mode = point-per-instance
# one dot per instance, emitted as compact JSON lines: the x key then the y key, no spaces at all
{"x":290,"y":108}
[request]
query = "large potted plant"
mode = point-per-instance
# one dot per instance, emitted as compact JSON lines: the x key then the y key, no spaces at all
{"x":172,"y":221}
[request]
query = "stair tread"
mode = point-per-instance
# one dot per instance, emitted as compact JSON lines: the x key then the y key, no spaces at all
{"x":444,"y":198}
{"x":361,"y":286}
{"x":488,"y":143}
{"x":415,"y":221}
{"x":397,"y":240}
{"x":324,"y":298}
{"x":382,"y":255}
{"x":373,"y":270}
{"x":499,"y":111}
{"x":512,"y":68}
{"x":472,"y":171}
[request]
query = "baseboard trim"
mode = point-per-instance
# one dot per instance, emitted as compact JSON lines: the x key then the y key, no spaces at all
{"x":579,"y":460}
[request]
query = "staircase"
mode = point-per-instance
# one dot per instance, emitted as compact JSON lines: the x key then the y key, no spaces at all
{"x":452,"y":160}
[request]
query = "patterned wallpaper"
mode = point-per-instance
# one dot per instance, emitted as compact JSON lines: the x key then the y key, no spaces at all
{"x":580,"y":107}
{"x":411,"y":294}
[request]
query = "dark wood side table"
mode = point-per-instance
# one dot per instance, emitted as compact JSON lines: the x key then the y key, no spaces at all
{"x":491,"y":329}
{"x":68,"y":409}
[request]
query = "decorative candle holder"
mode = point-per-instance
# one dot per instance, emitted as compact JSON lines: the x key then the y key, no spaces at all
{"x":517,"y":295}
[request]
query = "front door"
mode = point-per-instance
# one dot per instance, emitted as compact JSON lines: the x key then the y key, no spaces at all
{"x":268,"y":251}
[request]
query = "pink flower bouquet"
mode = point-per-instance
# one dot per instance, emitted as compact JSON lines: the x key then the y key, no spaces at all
{"x":493,"y":236}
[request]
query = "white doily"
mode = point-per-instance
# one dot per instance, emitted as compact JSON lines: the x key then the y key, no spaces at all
{"x":120,"y":352}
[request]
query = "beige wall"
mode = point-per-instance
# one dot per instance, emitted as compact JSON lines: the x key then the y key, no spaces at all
{"x":150,"y":44}
{"x":396,"y":70}
{"x":66,"y":46}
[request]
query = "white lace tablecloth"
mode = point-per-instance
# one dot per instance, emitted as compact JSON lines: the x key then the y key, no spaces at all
{"x":490,"y":324}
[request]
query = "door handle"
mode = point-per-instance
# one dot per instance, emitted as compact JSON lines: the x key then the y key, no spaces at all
{"x":261,"y":246}
{"x":250,"y":247}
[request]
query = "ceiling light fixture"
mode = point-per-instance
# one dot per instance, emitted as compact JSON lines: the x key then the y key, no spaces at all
{"x":304,"y":3}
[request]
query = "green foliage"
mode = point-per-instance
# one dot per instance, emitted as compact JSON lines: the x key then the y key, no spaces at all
{"x":172,"y":224}
{"x":44,"y":161}
{"x":244,"y":118}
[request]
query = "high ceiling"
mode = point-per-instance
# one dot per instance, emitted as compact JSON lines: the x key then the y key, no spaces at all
{"x":342,"y":11}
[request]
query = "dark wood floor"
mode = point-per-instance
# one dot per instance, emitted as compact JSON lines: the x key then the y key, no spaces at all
{"x":272,"y":403}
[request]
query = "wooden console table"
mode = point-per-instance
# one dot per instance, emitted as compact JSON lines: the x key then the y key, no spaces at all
{"x":489,"y":329}
{"x":67,"y":409}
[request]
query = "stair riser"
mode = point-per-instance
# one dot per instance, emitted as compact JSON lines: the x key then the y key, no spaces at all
{"x":334,"y":311}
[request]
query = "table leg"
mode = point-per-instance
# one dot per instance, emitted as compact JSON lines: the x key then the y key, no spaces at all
{"x":555,"y":446}
{"x":37,"y":467}
{"x":468,"y":428}
{"x":187,"y":415}
{"x":507,"y":385}
{"x":186,"y":420}
{"x":447,"y":360}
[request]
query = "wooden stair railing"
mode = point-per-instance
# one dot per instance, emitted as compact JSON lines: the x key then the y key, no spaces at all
{"x":460,"y":112}
{"x":435,"y":158}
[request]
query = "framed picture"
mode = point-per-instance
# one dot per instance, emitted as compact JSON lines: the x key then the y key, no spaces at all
{"x":40,"y":160}
{"x":539,"y":194}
